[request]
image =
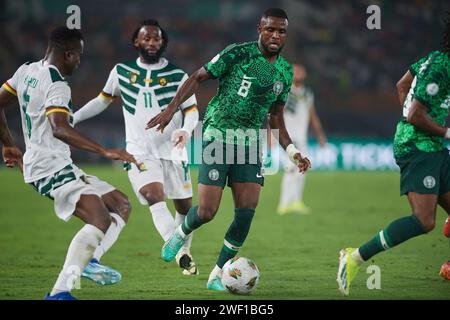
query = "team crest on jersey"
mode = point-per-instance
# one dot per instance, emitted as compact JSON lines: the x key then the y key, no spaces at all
{"x":133,"y":77}
{"x":429,"y":182}
{"x":432,"y":89}
{"x":162,"y":81}
{"x":277,"y":88}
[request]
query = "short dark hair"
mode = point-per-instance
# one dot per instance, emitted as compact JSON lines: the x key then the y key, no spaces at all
{"x":447,"y":34}
{"x":275,"y":12}
{"x":151,"y":22}
{"x":63,"y":38}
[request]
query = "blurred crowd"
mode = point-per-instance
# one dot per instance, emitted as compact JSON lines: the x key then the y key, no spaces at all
{"x":352,"y":70}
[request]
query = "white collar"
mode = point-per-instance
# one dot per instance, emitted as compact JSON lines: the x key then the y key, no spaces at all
{"x":162,"y":63}
{"x":45,"y":63}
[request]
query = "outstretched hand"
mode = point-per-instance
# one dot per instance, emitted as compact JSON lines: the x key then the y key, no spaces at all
{"x":161,"y":120}
{"x":303,"y":164}
{"x":119,"y":154}
{"x":12,"y":157}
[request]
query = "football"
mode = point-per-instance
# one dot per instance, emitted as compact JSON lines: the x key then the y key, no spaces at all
{"x":240,"y":275}
{"x":447,"y":228}
{"x":445,"y":270}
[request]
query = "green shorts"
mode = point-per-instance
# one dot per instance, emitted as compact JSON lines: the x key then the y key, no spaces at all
{"x":425,"y":172}
{"x":232,"y":166}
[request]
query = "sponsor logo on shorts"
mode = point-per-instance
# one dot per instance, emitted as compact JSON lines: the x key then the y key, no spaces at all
{"x":213,"y":174}
{"x":429,"y":182}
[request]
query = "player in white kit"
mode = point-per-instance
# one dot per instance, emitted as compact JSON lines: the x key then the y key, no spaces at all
{"x":146,"y":86}
{"x":46,"y":110}
{"x":299,"y":112}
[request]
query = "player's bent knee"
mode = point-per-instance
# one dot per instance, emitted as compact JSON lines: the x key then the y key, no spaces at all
{"x":153,"y":196}
{"x":427,"y":220}
{"x":207,"y":214}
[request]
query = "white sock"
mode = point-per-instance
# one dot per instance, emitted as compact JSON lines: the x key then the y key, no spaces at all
{"x":80,"y":251}
{"x":179,"y":219}
{"x":217,"y":271}
{"x":163,"y":220}
{"x":357,"y":257}
{"x":111,"y":236}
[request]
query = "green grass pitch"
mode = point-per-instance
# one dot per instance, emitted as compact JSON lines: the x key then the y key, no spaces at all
{"x":297,"y":255}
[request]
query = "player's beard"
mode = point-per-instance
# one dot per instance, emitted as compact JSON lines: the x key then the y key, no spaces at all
{"x":150,"y":58}
{"x":271,"y":52}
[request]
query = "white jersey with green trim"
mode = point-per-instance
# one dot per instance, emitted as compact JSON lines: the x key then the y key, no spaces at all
{"x":297,"y":113}
{"x":41,"y":89}
{"x":146,"y":90}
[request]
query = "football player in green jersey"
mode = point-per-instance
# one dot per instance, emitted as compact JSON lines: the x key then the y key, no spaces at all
{"x":254,"y":80}
{"x":419,"y":151}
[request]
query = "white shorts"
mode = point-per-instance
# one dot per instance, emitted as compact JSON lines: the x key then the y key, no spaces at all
{"x":174,"y":177}
{"x":66,"y":186}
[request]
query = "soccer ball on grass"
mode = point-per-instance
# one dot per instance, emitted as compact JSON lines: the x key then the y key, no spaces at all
{"x":240,"y":275}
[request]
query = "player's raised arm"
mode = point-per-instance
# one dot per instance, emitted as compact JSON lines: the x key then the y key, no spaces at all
{"x":188,"y":88}
{"x":11,"y":154}
{"x":64,"y":132}
{"x":276,"y":121}
{"x":92,"y":108}
{"x":101,"y":102}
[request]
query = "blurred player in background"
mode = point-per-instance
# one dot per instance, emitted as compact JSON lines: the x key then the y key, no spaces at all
{"x":46,"y":110}
{"x":420,"y":153}
{"x":146,"y":85}
{"x":254,"y":80}
{"x":298,"y":113}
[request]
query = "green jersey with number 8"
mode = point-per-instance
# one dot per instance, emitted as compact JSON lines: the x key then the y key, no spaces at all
{"x":248,"y":86}
{"x":431,"y":87}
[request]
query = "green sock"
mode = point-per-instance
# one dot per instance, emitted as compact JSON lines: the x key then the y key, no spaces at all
{"x":397,"y":232}
{"x":236,"y":234}
{"x":192,"y":221}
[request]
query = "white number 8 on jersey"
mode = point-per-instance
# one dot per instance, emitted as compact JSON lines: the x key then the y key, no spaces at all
{"x":245,"y":87}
